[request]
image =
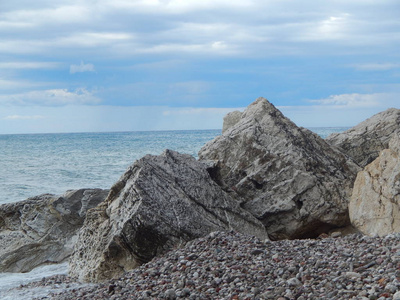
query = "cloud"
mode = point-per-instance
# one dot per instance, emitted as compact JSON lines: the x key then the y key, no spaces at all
{"x":23,"y":117}
{"x":29,"y":65}
{"x":214,"y":26}
{"x":6,"y":84}
{"x":93,"y":39}
{"x":164,"y":65}
{"x":53,"y":97}
{"x":26,"y":45}
{"x":14,"y":25}
{"x":326,"y":116}
{"x":340,"y":110}
{"x":189,"y":88}
{"x":37,"y":17}
{"x":353,"y":100}
{"x":334,"y":27}
{"x":376,"y":66}
{"x":190,"y":53}
{"x":198,"y":111}
{"x":175,"y":7}
{"x":81,"y":68}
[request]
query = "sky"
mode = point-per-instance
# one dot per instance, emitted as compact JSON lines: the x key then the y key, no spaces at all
{"x":128,"y":65}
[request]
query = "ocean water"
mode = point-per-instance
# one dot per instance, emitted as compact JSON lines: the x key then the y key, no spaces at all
{"x":33,"y":164}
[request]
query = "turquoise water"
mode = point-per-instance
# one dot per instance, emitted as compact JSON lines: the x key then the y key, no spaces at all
{"x":33,"y":164}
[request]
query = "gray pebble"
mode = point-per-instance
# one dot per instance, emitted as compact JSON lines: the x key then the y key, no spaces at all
{"x":230,"y":265}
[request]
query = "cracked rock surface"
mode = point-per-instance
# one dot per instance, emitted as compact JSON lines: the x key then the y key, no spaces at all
{"x":289,"y":178}
{"x":364,"y":142}
{"x":160,"y":203}
{"x":42,"y":229}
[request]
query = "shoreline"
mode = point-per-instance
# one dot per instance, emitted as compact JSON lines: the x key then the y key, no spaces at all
{"x":229,"y":265}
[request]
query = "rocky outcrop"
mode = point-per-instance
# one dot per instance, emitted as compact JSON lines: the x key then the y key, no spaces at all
{"x":286,"y":176}
{"x":160,"y":203}
{"x":231,"y":119}
{"x":364,"y":142}
{"x":42,"y":229}
{"x":375,"y":204}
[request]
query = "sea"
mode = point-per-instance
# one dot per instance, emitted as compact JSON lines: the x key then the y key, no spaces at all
{"x":34,"y":164}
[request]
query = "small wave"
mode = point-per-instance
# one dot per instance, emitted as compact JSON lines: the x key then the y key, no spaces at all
{"x":9,"y":281}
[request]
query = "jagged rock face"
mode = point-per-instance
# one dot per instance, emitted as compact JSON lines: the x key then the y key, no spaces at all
{"x":231,"y":119}
{"x":286,"y":176}
{"x":364,"y":142}
{"x":158,"y":204}
{"x":42,"y":229}
{"x":375,"y":204}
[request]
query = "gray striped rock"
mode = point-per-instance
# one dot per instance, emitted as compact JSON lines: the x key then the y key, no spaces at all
{"x":43,"y":229}
{"x":289,"y":178}
{"x":231,"y":119}
{"x":364,"y":142}
{"x":160,"y":203}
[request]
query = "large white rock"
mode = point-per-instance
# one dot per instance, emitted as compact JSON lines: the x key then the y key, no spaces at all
{"x":375,"y":204}
{"x":287,"y":177}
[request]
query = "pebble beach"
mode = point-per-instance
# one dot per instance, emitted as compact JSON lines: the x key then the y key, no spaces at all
{"x":228,"y":265}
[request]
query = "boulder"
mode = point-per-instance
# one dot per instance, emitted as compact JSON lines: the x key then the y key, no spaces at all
{"x":364,"y":142}
{"x":375,"y":204}
{"x":43,"y":229}
{"x":287,"y":177}
{"x":160,"y":203}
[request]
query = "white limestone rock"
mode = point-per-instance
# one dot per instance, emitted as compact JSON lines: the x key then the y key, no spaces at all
{"x":375,"y":204}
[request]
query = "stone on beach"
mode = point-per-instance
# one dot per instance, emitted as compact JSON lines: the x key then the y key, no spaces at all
{"x":288,"y":177}
{"x":43,"y":229}
{"x":160,"y":203}
{"x":364,"y":142}
{"x":222,"y":267}
{"x":375,"y":204}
